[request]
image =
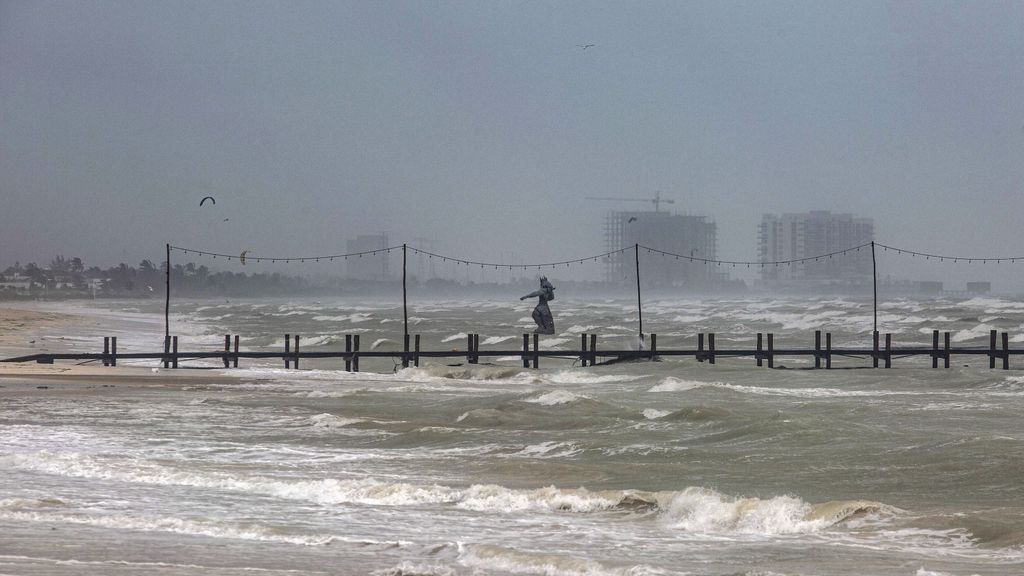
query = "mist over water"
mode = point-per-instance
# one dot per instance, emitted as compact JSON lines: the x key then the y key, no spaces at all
{"x":674,"y":467}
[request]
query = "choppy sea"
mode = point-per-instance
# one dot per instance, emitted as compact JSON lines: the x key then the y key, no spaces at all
{"x":674,"y":467}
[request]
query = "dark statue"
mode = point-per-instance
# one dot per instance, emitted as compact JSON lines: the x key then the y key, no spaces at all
{"x":542,"y":314}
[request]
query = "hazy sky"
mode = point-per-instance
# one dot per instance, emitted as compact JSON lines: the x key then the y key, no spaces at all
{"x":482,"y":125}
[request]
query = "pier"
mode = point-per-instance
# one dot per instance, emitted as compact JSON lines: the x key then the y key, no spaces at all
{"x":881,"y":354}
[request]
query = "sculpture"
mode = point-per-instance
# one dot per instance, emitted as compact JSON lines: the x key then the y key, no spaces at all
{"x":542,"y":314}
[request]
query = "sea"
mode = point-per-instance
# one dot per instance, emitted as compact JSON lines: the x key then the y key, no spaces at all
{"x":674,"y":467}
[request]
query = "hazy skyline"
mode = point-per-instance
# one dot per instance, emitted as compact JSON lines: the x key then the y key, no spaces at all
{"x":484,"y":126}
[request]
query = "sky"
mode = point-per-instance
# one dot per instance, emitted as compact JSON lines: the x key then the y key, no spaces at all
{"x":482,"y":127}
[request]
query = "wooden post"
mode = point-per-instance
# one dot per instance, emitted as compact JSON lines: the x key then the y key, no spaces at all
{"x":348,"y":352}
{"x":700,"y":347}
{"x":174,"y":351}
{"x":874,"y":354}
{"x":828,"y":350}
{"x":992,"y":349}
{"x":405,"y":350}
{"x":469,"y":349}
{"x":296,"y":351}
{"x":583,"y":349}
{"x":593,"y":349}
{"x":526,"y":350}
{"x":817,"y":348}
{"x":654,"y":346}
{"x":113,"y":350}
{"x":476,"y":348}
{"x":355,"y":353}
{"x":167,"y":350}
{"x":536,"y":348}
{"x":935,"y":348}
{"x":771,"y":350}
{"x":287,"y":350}
{"x":888,"y":350}
{"x":760,"y":351}
{"x":1006,"y":351}
{"x":234,"y":363}
{"x":416,"y":354}
{"x":945,"y":355}
{"x":227,"y":350}
{"x":106,"y":350}
{"x":711,"y":347}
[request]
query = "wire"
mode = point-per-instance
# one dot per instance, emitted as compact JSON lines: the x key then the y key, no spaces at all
{"x":943,"y":257}
{"x":692,"y":258}
{"x":517,"y":266}
{"x":288,"y":259}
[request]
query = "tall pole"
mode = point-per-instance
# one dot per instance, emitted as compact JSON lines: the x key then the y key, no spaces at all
{"x":167,"y":297}
{"x":405,"y":304}
{"x":874,"y":277}
{"x":639,"y":309}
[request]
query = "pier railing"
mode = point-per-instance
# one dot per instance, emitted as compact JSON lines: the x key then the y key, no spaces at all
{"x":882,"y":352}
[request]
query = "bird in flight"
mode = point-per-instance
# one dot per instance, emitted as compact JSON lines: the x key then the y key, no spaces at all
{"x":585,"y":46}
{"x":631,"y":219}
{"x":205,"y":198}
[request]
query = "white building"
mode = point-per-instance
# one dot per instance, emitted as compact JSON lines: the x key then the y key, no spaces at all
{"x":810,"y":234}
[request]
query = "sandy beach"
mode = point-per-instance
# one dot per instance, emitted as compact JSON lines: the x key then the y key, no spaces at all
{"x":30,"y":328}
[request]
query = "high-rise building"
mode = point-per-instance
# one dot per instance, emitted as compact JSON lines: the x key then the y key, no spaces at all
{"x":368,"y":266}
{"x":809,"y":234}
{"x":686,"y":235}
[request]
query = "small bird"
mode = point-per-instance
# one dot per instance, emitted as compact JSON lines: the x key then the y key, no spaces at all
{"x":585,"y":46}
{"x":226,"y":219}
{"x":631,"y":219}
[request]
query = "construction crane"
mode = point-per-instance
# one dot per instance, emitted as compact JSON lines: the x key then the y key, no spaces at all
{"x":657,"y":200}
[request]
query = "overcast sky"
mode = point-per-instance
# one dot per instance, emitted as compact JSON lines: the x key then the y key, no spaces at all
{"x":483,"y":126}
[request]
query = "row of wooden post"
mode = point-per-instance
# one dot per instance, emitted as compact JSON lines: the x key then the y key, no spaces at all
{"x":588,"y":350}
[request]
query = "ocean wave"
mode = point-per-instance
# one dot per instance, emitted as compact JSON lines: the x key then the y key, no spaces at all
{"x":549,"y":450}
{"x":706,"y":511}
{"x":495,"y":340}
{"x":454,"y":337}
{"x":490,"y":558}
{"x":585,"y":377}
{"x":556,"y":397}
{"x":354,"y":318}
{"x":331,"y":421}
{"x":673,"y":384}
{"x":192,"y":527}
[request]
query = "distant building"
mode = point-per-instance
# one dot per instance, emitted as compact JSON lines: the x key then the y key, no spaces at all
{"x":795,"y":236}
{"x":979,"y":287}
{"x":368,"y":266}
{"x":686,"y":235}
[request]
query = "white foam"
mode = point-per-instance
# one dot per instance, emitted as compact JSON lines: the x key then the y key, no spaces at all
{"x":654,"y":414}
{"x":550,"y":450}
{"x":332,"y":421}
{"x":215,"y":529}
{"x":453,"y":337}
{"x":586,"y":377}
{"x":354,"y":318}
{"x":556,"y":397}
{"x":672,"y":384}
{"x":496,"y":340}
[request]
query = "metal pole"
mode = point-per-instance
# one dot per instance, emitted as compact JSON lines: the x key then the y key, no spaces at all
{"x":405,"y":305}
{"x":639,"y":309}
{"x":167,"y":298}
{"x":874,"y":277}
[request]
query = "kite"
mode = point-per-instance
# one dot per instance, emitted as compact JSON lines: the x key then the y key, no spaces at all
{"x":205,"y":198}
{"x":241,"y":257}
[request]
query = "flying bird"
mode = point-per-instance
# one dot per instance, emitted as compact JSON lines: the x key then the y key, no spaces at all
{"x":205,"y":198}
{"x":226,"y":219}
{"x":631,"y":219}
{"x":585,"y":46}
